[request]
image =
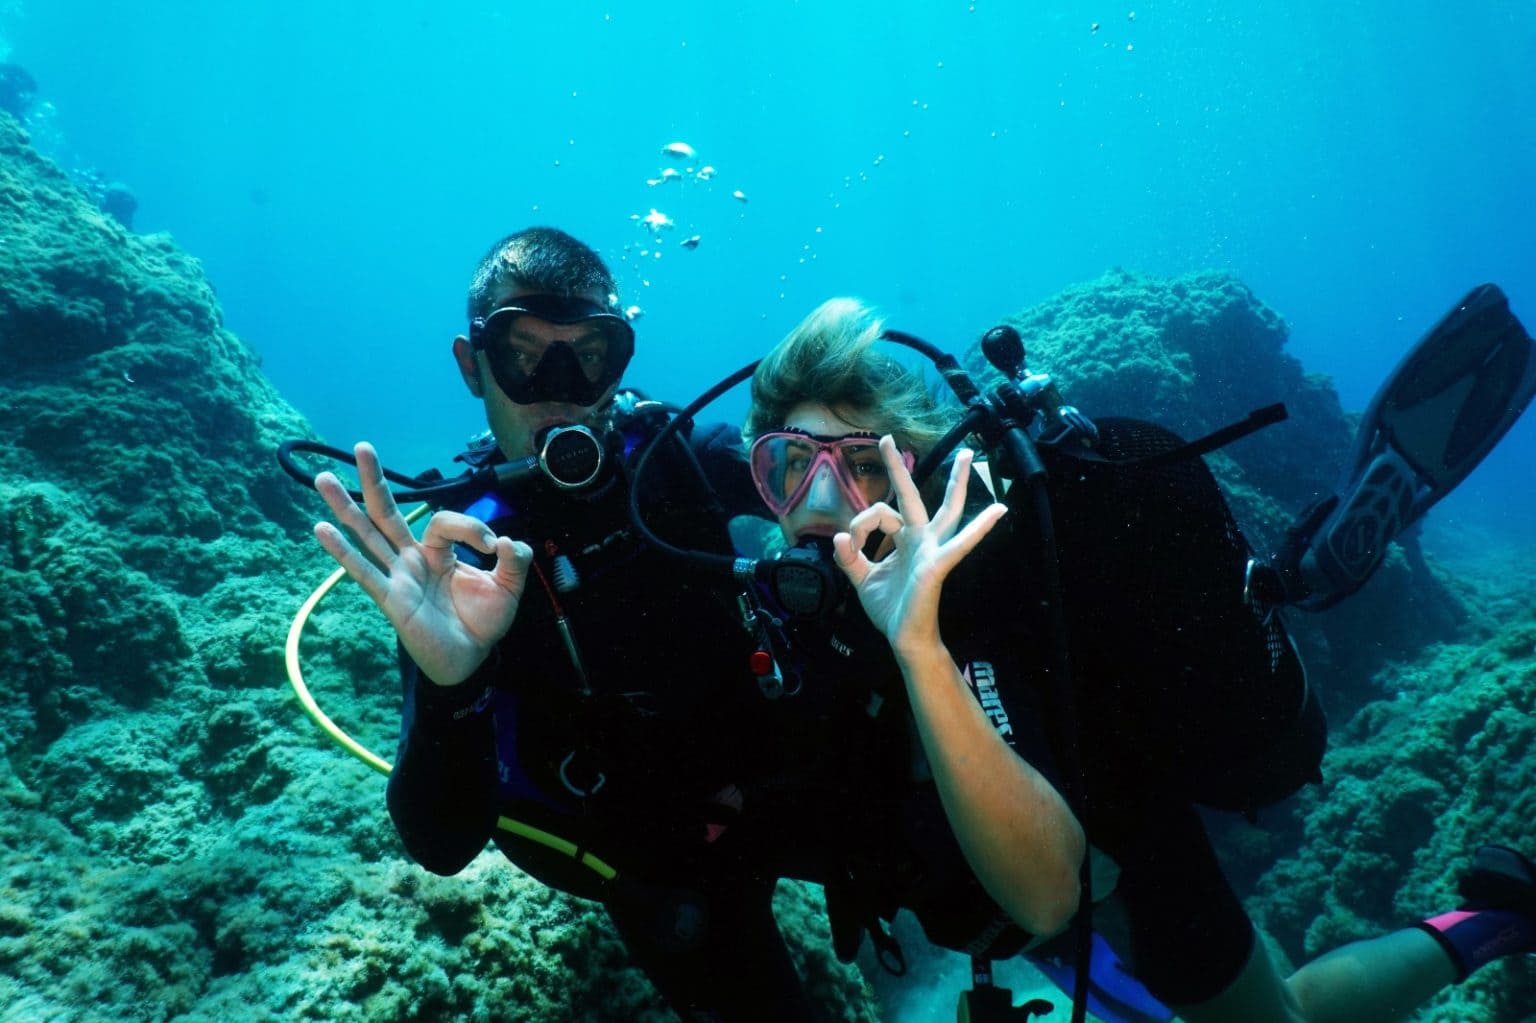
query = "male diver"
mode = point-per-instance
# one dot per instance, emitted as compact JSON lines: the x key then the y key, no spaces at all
{"x":568,"y":693}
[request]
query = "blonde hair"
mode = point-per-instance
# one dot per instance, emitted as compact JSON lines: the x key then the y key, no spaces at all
{"x":830,"y":358}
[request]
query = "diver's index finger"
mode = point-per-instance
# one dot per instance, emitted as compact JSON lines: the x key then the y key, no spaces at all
{"x":911,"y":502}
{"x":864,"y":524}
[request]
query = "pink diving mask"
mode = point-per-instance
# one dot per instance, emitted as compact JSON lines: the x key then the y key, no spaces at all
{"x":788,"y":464}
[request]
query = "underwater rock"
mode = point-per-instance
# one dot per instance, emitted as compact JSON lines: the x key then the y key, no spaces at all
{"x":1193,"y":353}
{"x":119,"y":203}
{"x":1413,"y":784}
{"x":112,"y":197}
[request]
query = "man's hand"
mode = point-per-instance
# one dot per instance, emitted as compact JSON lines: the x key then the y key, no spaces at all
{"x":900,"y":592}
{"x":448,"y":614}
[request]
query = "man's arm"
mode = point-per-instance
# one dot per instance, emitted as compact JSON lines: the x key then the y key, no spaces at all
{"x":442,"y":791}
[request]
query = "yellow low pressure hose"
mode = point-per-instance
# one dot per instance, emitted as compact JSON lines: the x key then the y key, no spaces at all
{"x":378,"y":763}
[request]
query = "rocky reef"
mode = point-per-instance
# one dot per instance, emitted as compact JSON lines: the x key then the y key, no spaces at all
{"x":177,"y":841}
{"x":1416,"y":781}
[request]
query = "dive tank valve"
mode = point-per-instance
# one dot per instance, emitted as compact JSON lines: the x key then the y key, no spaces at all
{"x":1004,"y":349}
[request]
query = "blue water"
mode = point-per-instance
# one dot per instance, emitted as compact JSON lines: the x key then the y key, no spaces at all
{"x":340,"y":167}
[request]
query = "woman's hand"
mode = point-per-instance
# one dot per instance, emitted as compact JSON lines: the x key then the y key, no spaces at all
{"x":1015,"y":829}
{"x":448,"y":614}
{"x":900,"y":592}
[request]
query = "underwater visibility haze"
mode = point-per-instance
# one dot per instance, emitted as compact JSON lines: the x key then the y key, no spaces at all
{"x":307,"y":188}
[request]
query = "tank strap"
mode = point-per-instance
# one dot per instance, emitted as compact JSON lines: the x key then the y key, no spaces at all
{"x":1256,"y":420}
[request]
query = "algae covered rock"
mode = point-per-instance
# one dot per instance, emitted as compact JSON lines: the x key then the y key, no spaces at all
{"x":1414,"y":784}
{"x":1192,"y":353}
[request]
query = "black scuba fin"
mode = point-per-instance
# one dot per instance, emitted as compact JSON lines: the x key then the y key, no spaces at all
{"x":1500,"y":878}
{"x":1445,"y":406}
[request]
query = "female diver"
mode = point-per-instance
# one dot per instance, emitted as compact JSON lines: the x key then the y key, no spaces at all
{"x":947,"y":800}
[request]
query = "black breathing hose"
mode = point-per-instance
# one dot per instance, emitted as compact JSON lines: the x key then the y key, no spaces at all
{"x":418,"y":488}
{"x":737,"y":567}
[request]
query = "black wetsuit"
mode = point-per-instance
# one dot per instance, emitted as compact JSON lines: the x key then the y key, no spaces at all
{"x":656,"y":772}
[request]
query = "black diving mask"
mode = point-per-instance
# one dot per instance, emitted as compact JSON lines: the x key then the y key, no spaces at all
{"x":531,"y":368}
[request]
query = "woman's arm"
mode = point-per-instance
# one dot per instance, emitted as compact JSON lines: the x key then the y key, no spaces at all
{"x":1015,"y":829}
{"x":442,"y":792}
